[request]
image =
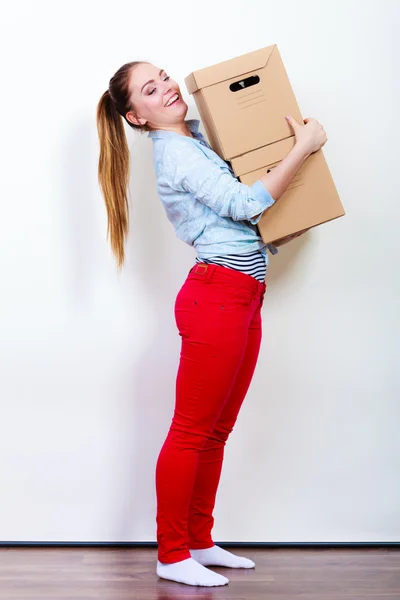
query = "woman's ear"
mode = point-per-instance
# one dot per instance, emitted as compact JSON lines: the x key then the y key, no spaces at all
{"x":132,"y":118}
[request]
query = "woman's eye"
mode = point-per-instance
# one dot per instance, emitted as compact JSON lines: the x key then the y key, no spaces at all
{"x":154,"y":89}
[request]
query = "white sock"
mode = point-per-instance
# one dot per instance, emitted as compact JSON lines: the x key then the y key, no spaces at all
{"x":222,"y":558}
{"x":190,"y":572}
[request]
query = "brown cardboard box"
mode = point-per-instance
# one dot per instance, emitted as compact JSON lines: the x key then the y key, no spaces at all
{"x":242,"y":103}
{"x":254,"y":113}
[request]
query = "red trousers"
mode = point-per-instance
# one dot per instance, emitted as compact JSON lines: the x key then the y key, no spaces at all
{"x":218,"y":315}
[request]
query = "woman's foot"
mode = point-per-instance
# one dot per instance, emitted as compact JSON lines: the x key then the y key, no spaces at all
{"x":222,"y":558}
{"x":190,"y":572}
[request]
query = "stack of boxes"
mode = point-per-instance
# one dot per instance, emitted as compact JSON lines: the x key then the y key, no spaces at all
{"x":243,"y":103}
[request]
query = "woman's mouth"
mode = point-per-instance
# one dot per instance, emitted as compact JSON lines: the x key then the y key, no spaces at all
{"x":173,"y":100}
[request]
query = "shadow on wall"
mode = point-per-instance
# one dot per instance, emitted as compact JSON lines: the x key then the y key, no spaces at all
{"x":78,"y":210}
{"x":285,"y":263}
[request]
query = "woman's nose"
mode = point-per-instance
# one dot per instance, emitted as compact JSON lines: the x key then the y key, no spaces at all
{"x":167,"y":94}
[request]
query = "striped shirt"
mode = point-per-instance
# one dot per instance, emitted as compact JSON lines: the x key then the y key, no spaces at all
{"x":251,"y":263}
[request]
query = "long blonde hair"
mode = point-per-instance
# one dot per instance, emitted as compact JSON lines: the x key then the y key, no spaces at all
{"x":114,"y":159}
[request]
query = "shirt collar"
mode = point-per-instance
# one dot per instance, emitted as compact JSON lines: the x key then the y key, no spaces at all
{"x":193,"y":125}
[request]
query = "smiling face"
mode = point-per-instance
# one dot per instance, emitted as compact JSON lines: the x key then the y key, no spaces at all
{"x":156,"y":98}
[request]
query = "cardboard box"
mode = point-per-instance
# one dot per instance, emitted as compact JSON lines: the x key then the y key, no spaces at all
{"x":243,"y":103}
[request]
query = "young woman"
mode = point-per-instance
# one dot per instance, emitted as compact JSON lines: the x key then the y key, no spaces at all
{"x":217,"y":309}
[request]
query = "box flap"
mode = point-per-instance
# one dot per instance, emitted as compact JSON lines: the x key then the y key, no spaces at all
{"x":228,"y":69}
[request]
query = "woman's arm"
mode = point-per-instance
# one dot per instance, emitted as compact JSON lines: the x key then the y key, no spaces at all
{"x":310,"y":137}
{"x":281,"y":176}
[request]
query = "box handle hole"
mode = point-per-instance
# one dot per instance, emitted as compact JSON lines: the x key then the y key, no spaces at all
{"x":244,"y":83}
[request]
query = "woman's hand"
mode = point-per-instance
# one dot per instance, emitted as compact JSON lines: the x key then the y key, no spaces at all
{"x":289,"y":238}
{"x":311,"y":136}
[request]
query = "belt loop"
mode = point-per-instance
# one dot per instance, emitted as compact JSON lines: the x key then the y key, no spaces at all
{"x":204,"y":271}
{"x":201,"y":268}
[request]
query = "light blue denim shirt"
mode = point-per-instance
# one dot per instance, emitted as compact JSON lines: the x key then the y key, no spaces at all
{"x":208,"y":206}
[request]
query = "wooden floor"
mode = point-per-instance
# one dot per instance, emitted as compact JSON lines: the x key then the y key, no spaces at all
{"x":127,"y":573}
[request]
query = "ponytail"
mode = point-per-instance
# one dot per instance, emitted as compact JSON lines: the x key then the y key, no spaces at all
{"x":113,"y":173}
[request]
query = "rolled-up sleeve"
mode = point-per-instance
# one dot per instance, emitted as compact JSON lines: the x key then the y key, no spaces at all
{"x":187,"y":168}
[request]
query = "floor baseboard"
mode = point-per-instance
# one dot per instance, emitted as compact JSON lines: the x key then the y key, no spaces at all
{"x":270,"y":545}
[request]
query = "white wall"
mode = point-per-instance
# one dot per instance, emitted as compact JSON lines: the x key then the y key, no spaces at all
{"x":88,"y":358}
